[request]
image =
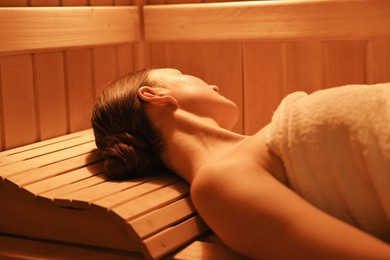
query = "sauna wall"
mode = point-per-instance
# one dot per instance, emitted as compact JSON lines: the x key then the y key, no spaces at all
{"x":47,"y":94}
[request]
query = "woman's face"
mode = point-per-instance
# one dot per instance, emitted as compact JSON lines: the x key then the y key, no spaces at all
{"x":196,"y":96}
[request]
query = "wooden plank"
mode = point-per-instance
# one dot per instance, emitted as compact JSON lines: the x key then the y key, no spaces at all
{"x":344,"y":63}
{"x":115,"y":199}
{"x":18,"y":247}
{"x":64,"y":179}
{"x":50,"y":91}
{"x":263,"y":82}
{"x":13,"y":3}
{"x":10,"y":169}
{"x":45,"y":2}
{"x":174,"y":237}
{"x":150,"y":201}
{"x":38,"y":145}
{"x":79,"y":86}
{"x":343,"y":19}
{"x":125,"y":59}
{"x":206,"y":251}
{"x":224,"y":69}
{"x":303,"y":66}
{"x":49,"y":147}
{"x":189,"y":58}
{"x":104,"y":66}
{"x":50,"y":195}
{"x":47,"y":171}
{"x":43,"y":28}
{"x":82,"y":199}
{"x":162,"y":218}
{"x":378,"y":61}
{"x":18,"y":100}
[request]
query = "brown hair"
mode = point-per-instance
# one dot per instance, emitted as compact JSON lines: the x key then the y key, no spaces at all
{"x":123,"y":132}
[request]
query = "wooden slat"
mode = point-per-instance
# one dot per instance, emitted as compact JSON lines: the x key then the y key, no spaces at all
{"x":263,"y":82}
{"x":378,"y":61}
{"x":304,"y":19}
{"x":19,"y":106}
{"x":109,"y":201}
{"x":43,"y":28}
{"x":56,"y":168}
{"x":159,"y":219}
{"x":81,"y":199}
{"x":61,"y":180}
{"x":38,"y":145}
{"x":206,"y":251}
{"x":303,"y":66}
{"x":344,"y":63}
{"x":80,"y":184}
{"x":50,"y":146}
{"x":50,"y":90}
{"x":224,"y":69}
{"x":149,"y":202}
{"x":12,"y":169}
{"x":174,"y":237}
{"x":104,"y":66}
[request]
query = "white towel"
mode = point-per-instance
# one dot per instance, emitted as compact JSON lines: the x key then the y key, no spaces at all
{"x":335,"y":145}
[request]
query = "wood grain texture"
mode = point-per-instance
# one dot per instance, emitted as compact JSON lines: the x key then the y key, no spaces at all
{"x":344,"y":19}
{"x":59,"y":27}
{"x":19,"y":104}
{"x":378,"y":61}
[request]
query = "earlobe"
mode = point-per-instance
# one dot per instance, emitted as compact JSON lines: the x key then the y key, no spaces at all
{"x":155,"y":97}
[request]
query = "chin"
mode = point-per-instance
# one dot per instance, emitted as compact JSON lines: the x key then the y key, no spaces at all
{"x":230,"y":117}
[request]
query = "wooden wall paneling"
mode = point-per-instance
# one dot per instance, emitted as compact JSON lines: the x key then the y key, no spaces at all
{"x":104,"y":66}
{"x":2,"y":133}
{"x":344,"y":63}
{"x":263,"y":82}
{"x":19,"y":108}
{"x":224,"y":69}
{"x":155,"y":2}
{"x":124,"y":59}
{"x":189,"y":58}
{"x":74,"y":2}
{"x":302,"y":66}
{"x":378,"y":61}
{"x":50,"y":94}
{"x":79,"y":87}
{"x":158,"y":55}
{"x":123,"y":2}
{"x":45,"y":2}
{"x":79,"y":82}
{"x":13,"y":3}
{"x":257,"y":20}
{"x":101,"y":2}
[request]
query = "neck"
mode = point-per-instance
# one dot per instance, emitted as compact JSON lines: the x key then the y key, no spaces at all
{"x":192,"y":142}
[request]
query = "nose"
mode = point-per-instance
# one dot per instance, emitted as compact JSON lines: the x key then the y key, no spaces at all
{"x":215,"y":88}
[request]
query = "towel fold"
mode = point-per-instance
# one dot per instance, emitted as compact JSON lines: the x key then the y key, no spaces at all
{"x":335,"y":145}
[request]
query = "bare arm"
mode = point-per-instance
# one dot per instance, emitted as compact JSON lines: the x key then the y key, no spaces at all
{"x":259,"y":217}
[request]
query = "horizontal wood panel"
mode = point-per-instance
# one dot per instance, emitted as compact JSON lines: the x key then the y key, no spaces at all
{"x":344,"y":19}
{"x":42,"y":28}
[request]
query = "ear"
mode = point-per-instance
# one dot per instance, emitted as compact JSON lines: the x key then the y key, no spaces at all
{"x":155,"y":97}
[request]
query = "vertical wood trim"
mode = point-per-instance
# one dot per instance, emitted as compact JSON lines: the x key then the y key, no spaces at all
{"x":302,"y":66}
{"x":20,"y":126}
{"x":125,"y":59}
{"x":104,"y":66}
{"x":224,"y":69}
{"x":79,"y":82}
{"x":263,"y":82}
{"x":50,"y":94}
{"x":378,"y":61}
{"x":344,"y":63}
{"x":2,"y":132}
{"x":190,"y":58}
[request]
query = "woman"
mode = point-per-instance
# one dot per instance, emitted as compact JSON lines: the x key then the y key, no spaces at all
{"x":149,"y":121}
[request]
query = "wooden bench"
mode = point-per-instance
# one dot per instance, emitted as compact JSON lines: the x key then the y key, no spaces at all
{"x":56,"y":190}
